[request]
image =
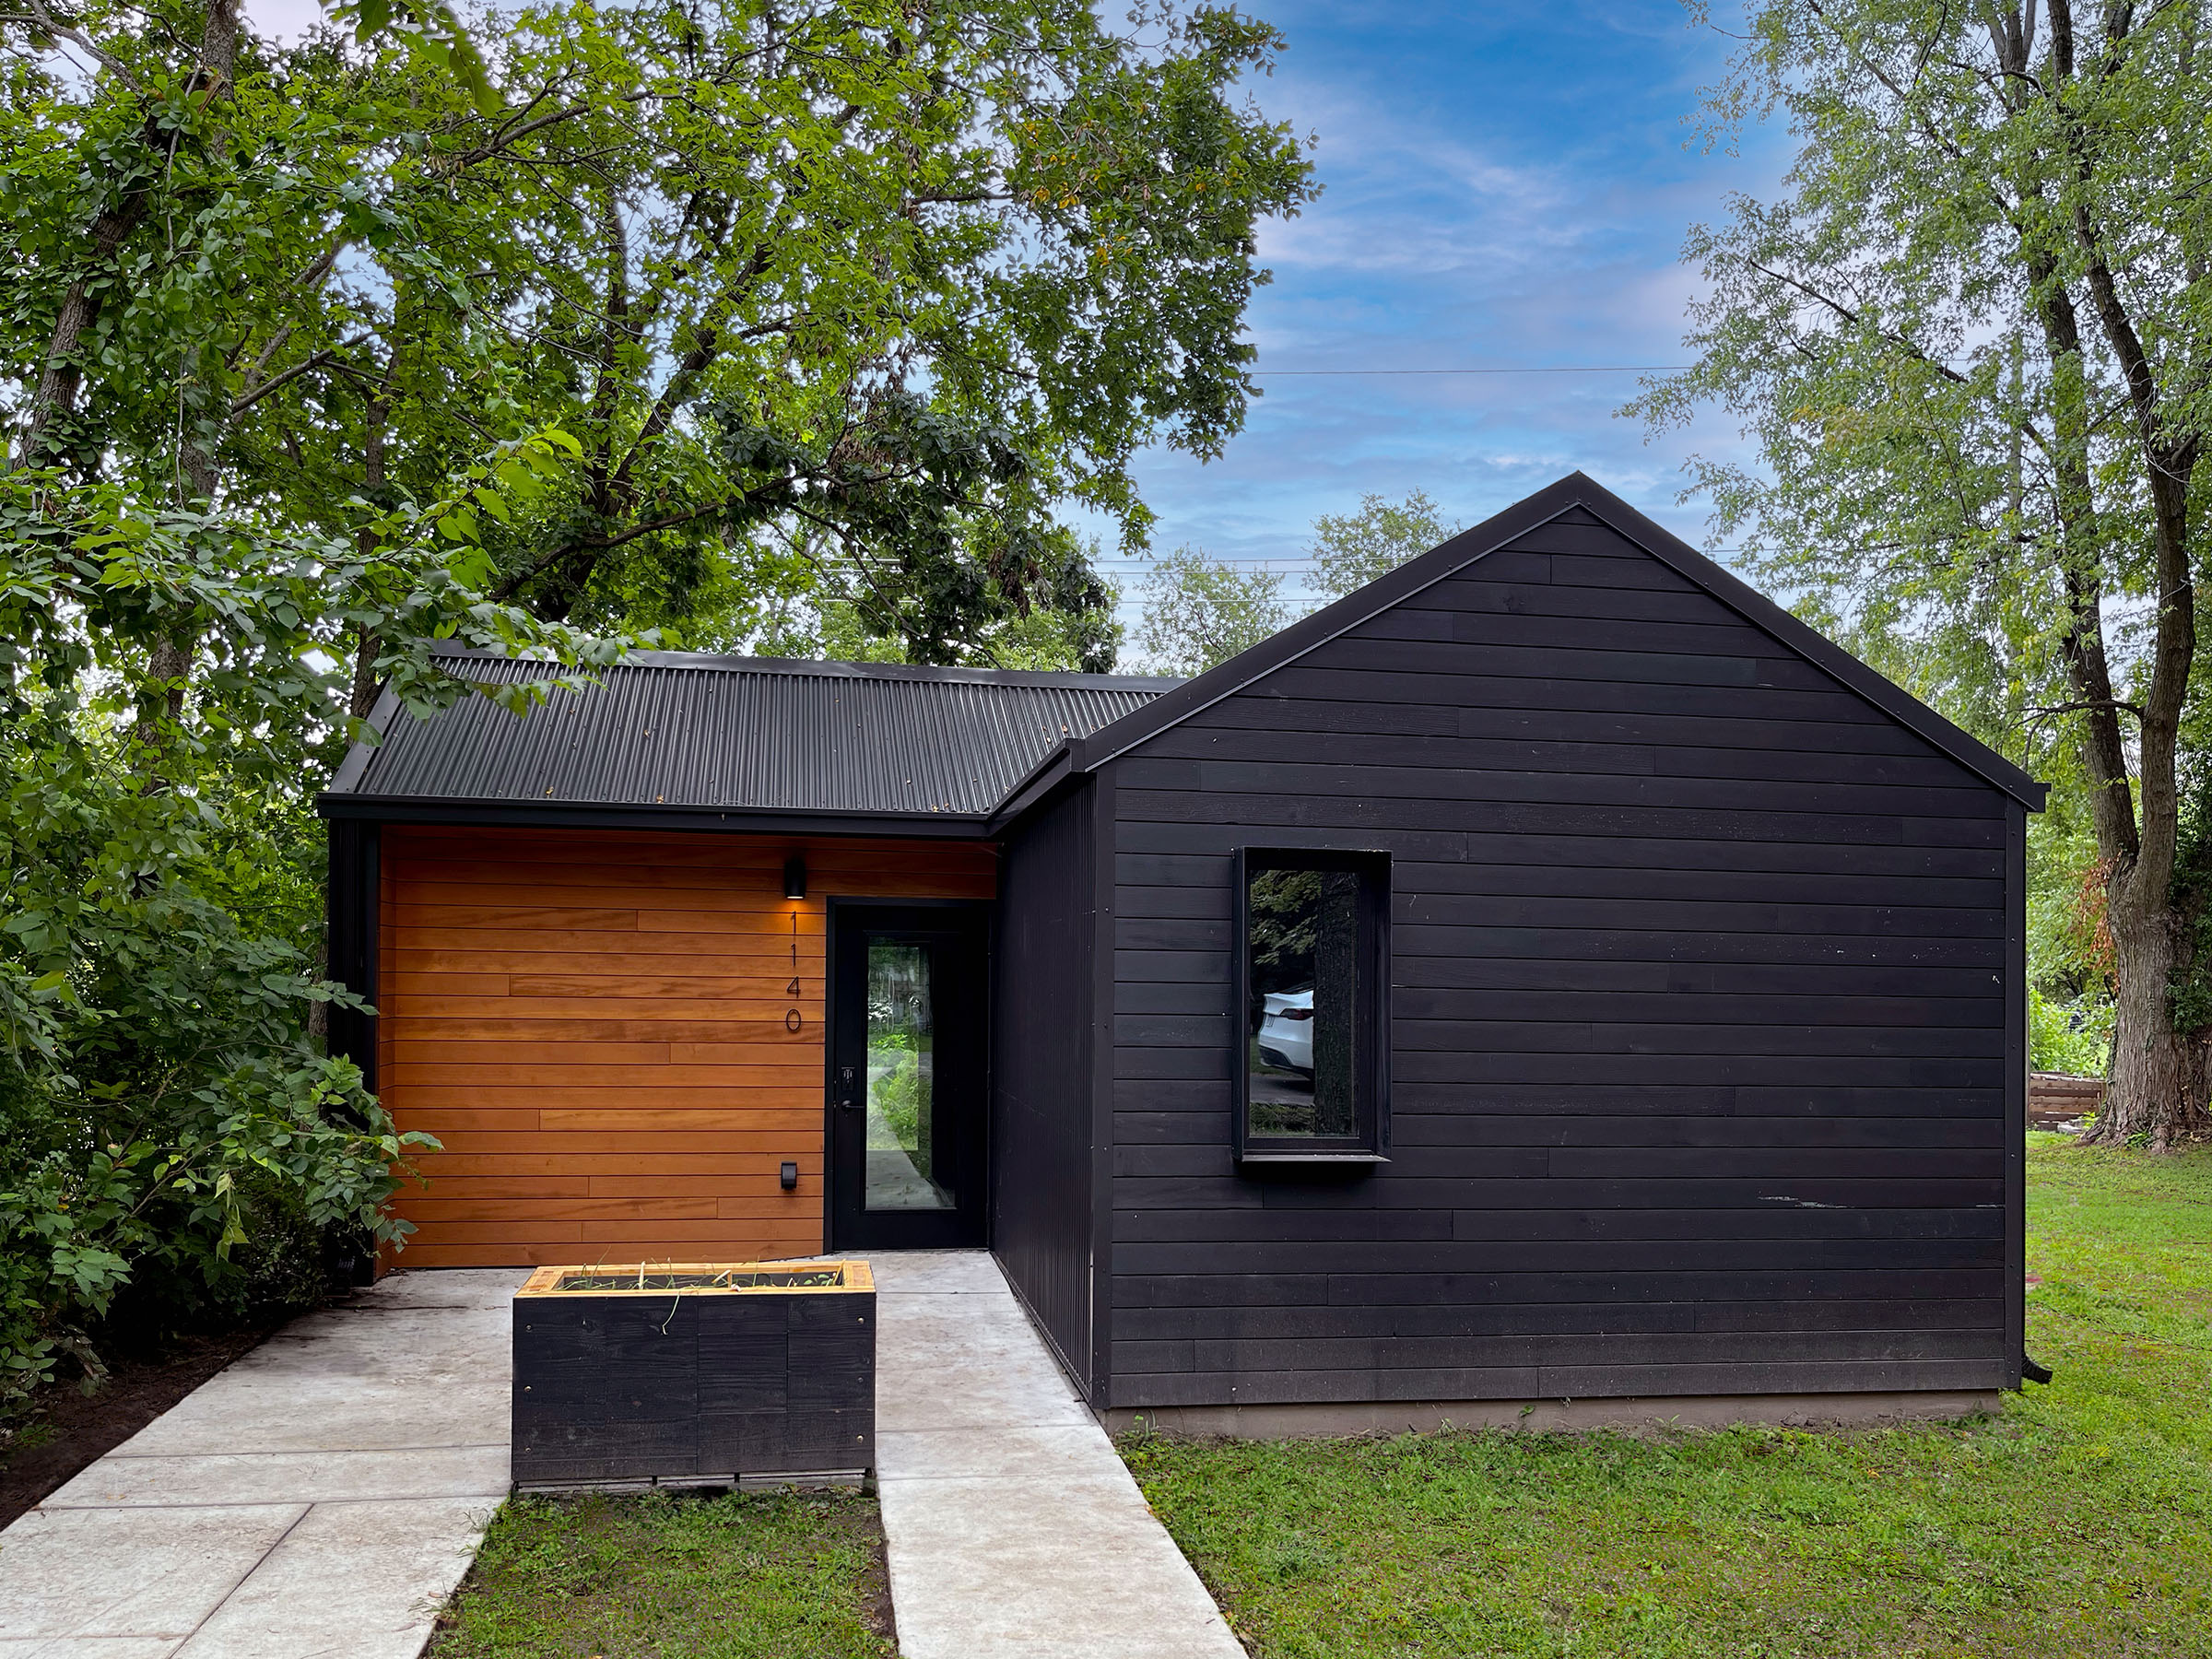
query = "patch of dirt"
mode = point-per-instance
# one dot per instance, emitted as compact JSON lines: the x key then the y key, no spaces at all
{"x":875,"y":1593}
{"x":69,"y":1430}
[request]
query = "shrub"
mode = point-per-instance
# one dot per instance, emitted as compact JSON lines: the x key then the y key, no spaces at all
{"x":170,"y":1125}
{"x":2075,"y":1037}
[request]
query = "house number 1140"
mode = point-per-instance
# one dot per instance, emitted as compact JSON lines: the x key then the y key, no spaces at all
{"x":794,"y":1021}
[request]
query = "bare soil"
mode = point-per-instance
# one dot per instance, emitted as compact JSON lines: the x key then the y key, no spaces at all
{"x":67,"y":1430}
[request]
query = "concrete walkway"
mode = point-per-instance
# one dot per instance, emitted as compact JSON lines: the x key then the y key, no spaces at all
{"x":322,"y":1496}
{"x":1015,"y":1531}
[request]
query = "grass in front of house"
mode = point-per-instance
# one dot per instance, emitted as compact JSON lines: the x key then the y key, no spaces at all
{"x":2078,"y":1522}
{"x":746,"y":1576}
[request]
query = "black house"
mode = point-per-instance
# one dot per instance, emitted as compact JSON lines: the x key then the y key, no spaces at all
{"x":1551,"y":974}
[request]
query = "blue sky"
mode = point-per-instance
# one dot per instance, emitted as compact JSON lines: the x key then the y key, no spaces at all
{"x":1506,"y":186}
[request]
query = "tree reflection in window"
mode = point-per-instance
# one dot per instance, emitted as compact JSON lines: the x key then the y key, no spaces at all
{"x":1303,"y":995}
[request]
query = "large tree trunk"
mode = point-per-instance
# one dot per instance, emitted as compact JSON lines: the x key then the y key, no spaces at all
{"x":2155,"y":1089}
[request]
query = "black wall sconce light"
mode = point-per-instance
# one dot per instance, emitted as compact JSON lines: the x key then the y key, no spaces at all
{"x":791,"y":1177}
{"x":794,"y":877}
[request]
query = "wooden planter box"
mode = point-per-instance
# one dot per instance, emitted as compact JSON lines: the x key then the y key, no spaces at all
{"x":694,"y":1374}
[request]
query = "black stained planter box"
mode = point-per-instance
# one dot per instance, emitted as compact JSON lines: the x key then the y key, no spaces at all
{"x":696,"y":1374}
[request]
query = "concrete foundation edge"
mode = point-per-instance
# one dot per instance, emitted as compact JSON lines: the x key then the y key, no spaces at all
{"x":1320,"y":1418}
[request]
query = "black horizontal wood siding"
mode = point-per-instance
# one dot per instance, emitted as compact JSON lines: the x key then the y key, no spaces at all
{"x":1704,"y":1009}
{"x":611,"y":1388}
{"x":1042,"y":1088}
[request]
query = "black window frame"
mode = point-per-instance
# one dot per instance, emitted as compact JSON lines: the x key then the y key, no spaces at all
{"x":1370,"y":1144}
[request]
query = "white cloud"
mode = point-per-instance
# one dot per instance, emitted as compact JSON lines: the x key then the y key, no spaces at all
{"x":283,"y":19}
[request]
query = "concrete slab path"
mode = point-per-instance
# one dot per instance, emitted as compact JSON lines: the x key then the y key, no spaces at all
{"x":1015,"y":1531}
{"x":320,"y":1498}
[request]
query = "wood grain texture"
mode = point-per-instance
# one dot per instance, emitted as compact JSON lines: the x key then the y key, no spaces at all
{"x":1700,"y":997}
{"x":592,"y":1025}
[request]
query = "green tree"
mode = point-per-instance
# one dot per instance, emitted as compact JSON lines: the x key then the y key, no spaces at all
{"x":170,"y":1129}
{"x":841,"y":299}
{"x":1199,"y":611}
{"x":1973,"y":346}
{"x":1351,"y":550}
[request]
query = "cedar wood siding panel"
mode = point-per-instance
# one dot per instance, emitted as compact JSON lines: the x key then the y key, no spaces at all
{"x":1040,"y":1121}
{"x":593,"y":1024}
{"x":1703,"y":1016}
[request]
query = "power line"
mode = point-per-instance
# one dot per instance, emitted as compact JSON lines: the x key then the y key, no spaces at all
{"x":1540,"y":368}
{"x":1117,"y":564}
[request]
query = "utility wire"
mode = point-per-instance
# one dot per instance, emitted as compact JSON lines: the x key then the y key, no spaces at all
{"x":1541,"y":369}
{"x":1123,"y":564}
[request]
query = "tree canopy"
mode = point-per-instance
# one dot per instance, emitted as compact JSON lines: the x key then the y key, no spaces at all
{"x":840,"y":300}
{"x":1350,"y":550}
{"x":1199,"y":611}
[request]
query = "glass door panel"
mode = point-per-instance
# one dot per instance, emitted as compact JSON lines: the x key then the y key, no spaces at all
{"x":902,"y":1172}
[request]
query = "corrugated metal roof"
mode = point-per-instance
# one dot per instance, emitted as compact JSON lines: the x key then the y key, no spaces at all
{"x":735,"y":732}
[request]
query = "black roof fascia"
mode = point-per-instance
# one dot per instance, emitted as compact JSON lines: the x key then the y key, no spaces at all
{"x":357,"y":753}
{"x":557,"y":815}
{"x":1576,"y":489}
{"x":1047,"y":775}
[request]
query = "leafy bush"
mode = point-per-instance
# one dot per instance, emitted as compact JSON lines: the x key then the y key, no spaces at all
{"x":170,"y":1122}
{"x":172,"y":686}
{"x":896,"y":1092}
{"x":2074,"y":1038}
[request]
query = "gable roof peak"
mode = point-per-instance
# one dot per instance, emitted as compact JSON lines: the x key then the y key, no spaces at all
{"x":1575,"y":493}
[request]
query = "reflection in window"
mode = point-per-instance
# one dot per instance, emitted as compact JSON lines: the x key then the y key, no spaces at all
{"x":1313,"y":926}
{"x":1305,"y":938}
{"x":901,"y":1095}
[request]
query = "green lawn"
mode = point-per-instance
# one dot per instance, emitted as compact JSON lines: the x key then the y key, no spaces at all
{"x":750,"y":1576}
{"x":2078,"y":1523}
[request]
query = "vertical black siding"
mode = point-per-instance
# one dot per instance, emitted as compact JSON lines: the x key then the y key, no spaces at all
{"x":1104,"y":1058}
{"x":2016,"y":1091}
{"x":1040,"y":1117}
{"x":1705,"y":1018}
{"x":350,"y":934}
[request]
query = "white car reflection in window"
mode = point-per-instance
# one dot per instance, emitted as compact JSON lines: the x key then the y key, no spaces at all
{"x":1287,"y":1030}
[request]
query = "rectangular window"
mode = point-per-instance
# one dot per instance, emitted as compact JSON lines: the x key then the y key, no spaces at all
{"x":1312,"y":1069}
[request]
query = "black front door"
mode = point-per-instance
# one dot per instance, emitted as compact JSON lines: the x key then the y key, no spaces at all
{"x":909,"y":989}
